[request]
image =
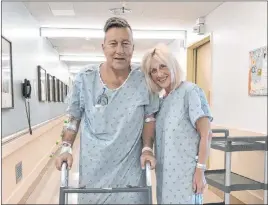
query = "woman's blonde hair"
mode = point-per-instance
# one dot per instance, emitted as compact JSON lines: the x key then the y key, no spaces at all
{"x":162,"y":54}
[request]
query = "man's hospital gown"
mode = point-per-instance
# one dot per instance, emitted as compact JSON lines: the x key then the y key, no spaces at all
{"x":111,"y":140}
{"x":177,"y":143}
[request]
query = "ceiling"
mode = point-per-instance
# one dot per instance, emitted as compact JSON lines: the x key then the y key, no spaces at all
{"x":144,"y":15}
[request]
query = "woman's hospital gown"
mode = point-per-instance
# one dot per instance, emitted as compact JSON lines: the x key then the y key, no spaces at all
{"x":177,"y":143}
{"x":111,"y":140}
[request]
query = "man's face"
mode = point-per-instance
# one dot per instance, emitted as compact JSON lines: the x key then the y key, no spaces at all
{"x":118,"y":48}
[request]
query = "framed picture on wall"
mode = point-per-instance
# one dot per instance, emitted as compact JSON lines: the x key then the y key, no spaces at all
{"x":58,"y":91}
{"x":50,"y":89}
{"x":62,"y":92}
{"x":66,"y":90}
{"x":7,"y":74}
{"x":42,"y":84}
{"x":55,"y":81}
{"x":257,"y":79}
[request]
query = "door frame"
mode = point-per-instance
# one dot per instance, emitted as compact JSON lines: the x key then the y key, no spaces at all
{"x":191,"y":58}
{"x":191,"y":61}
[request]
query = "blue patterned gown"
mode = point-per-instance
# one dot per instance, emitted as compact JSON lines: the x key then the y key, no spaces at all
{"x":177,"y":143}
{"x":111,"y":140}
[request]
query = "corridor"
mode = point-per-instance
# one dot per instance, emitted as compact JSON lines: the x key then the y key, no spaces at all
{"x":46,"y":191}
{"x":218,"y":47}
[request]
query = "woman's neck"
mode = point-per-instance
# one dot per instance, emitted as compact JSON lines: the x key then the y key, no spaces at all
{"x":168,"y":89}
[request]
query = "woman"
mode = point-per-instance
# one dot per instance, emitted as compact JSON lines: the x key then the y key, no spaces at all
{"x":182,"y":130}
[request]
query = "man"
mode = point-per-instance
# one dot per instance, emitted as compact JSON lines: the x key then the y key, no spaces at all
{"x":116,"y":112}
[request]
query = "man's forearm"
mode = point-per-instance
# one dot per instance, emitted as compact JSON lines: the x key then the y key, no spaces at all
{"x":69,"y":136}
{"x":203,"y":128}
{"x":70,"y":130}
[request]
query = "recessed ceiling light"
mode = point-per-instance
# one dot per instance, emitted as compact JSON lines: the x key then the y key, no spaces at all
{"x":62,"y":8}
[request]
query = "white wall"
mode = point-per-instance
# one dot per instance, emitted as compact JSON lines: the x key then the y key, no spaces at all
{"x":28,"y":51}
{"x":237,"y":28}
{"x":180,"y":53}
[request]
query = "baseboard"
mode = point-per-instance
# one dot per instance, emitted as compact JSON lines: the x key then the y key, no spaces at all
{"x":219,"y":193}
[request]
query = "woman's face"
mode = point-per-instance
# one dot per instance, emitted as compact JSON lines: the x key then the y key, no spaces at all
{"x":160,"y":74}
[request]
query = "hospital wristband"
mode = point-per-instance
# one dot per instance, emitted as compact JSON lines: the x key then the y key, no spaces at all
{"x":147,"y":149}
{"x":201,"y":166}
{"x":66,"y":144}
{"x":65,"y":149}
{"x":150,"y":119}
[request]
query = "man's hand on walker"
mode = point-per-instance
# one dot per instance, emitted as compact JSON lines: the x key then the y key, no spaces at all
{"x":147,"y":156}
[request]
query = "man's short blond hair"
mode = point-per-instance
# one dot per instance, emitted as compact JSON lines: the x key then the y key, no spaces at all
{"x":162,"y":54}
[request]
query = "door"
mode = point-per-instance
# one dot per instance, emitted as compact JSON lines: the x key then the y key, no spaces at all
{"x":203,"y":68}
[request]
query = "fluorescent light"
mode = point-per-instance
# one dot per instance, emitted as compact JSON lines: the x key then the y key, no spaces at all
{"x":77,"y":58}
{"x":149,"y":34}
{"x":70,"y":32}
{"x":82,"y":58}
{"x":92,"y":54}
{"x":98,"y":33}
{"x":63,"y":12}
{"x":82,"y":54}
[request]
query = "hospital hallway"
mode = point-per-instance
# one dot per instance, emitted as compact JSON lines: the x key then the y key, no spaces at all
{"x":42,"y":181}
{"x":60,"y":60}
{"x":46,"y":191}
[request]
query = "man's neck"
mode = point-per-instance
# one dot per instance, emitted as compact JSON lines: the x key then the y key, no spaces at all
{"x":117,"y":74}
{"x":113,"y":78}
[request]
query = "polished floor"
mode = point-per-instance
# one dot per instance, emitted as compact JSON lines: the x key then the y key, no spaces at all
{"x":47,"y":189}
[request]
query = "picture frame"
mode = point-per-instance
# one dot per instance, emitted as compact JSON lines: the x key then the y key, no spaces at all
{"x":42,"y":84}
{"x":58,"y":91}
{"x":55,"y":89}
{"x":7,"y":74}
{"x":50,"y":89}
{"x":66,"y":90}
{"x":62,"y":92}
{"x":257,"y":76}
